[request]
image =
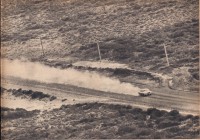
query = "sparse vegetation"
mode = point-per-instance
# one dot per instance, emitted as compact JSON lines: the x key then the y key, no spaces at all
{"x":100,"y":121}
{"x":2,"y":90}
{"x":131,"y":32}
{"x":31,"y":94}
{"x":12,"y":114}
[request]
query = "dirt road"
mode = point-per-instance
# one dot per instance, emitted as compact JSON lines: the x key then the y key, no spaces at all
{"x":182,"y":101}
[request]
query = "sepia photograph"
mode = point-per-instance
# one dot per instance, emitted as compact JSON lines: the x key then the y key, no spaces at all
{"x":100,"y":69}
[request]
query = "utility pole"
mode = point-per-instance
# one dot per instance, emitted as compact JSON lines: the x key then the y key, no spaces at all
{"x":166,"y":55}
{"x":99,"y":51}
{"x":42,"y":46}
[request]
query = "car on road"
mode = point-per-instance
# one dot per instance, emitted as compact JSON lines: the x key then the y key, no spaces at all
{"x":145,"y":92}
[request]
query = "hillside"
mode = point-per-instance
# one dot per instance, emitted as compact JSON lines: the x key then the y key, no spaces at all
{"x":128,"y":31}
{"x":97,"y":121}
{"x":58,"y":89}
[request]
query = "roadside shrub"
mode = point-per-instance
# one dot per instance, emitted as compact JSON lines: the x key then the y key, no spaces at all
{"x":125,"y":129}
{"x":140,"y":116}
{"x":39,"y":95}
{"x":6,"y":109}
{"x":52,"y":98}
{"x":142,"y":132}
{"x":17,"y":113}
{"x":122,"y":112}
{"x":154,"y":113}
{"x":136,"y":110}
{"x":20,"y":109}
{"x":2,"y":89}
{"x":196,"y":119}
{"x":91,"y":105}
{"x":179,"y":118}
{"x":122,"y":72}
{"x":63,"y":107}
{"x":29,"y":92}
{"x":167,"y":123}
{"x":116,"y":106}
{"x":188,"y":116}
{"x":195,"y":76}
{"x":174,"y":113}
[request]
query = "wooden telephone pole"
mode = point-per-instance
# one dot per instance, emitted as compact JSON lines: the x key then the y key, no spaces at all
{"x":97,"y":48}
{"x":42,"y":46}
{"x":99,"y":51}
{"x":166,"y":55}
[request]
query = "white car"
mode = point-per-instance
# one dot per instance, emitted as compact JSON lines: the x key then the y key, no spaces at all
{"x":145,"y":92}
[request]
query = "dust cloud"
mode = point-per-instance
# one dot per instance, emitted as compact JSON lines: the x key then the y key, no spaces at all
{"x":39,"y":72}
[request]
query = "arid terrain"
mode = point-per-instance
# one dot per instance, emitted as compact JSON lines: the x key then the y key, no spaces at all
{"x":133,"y":32}
{"x":89,"y":120}
{"x":54,"y":86}
{"x":97,"y":120}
